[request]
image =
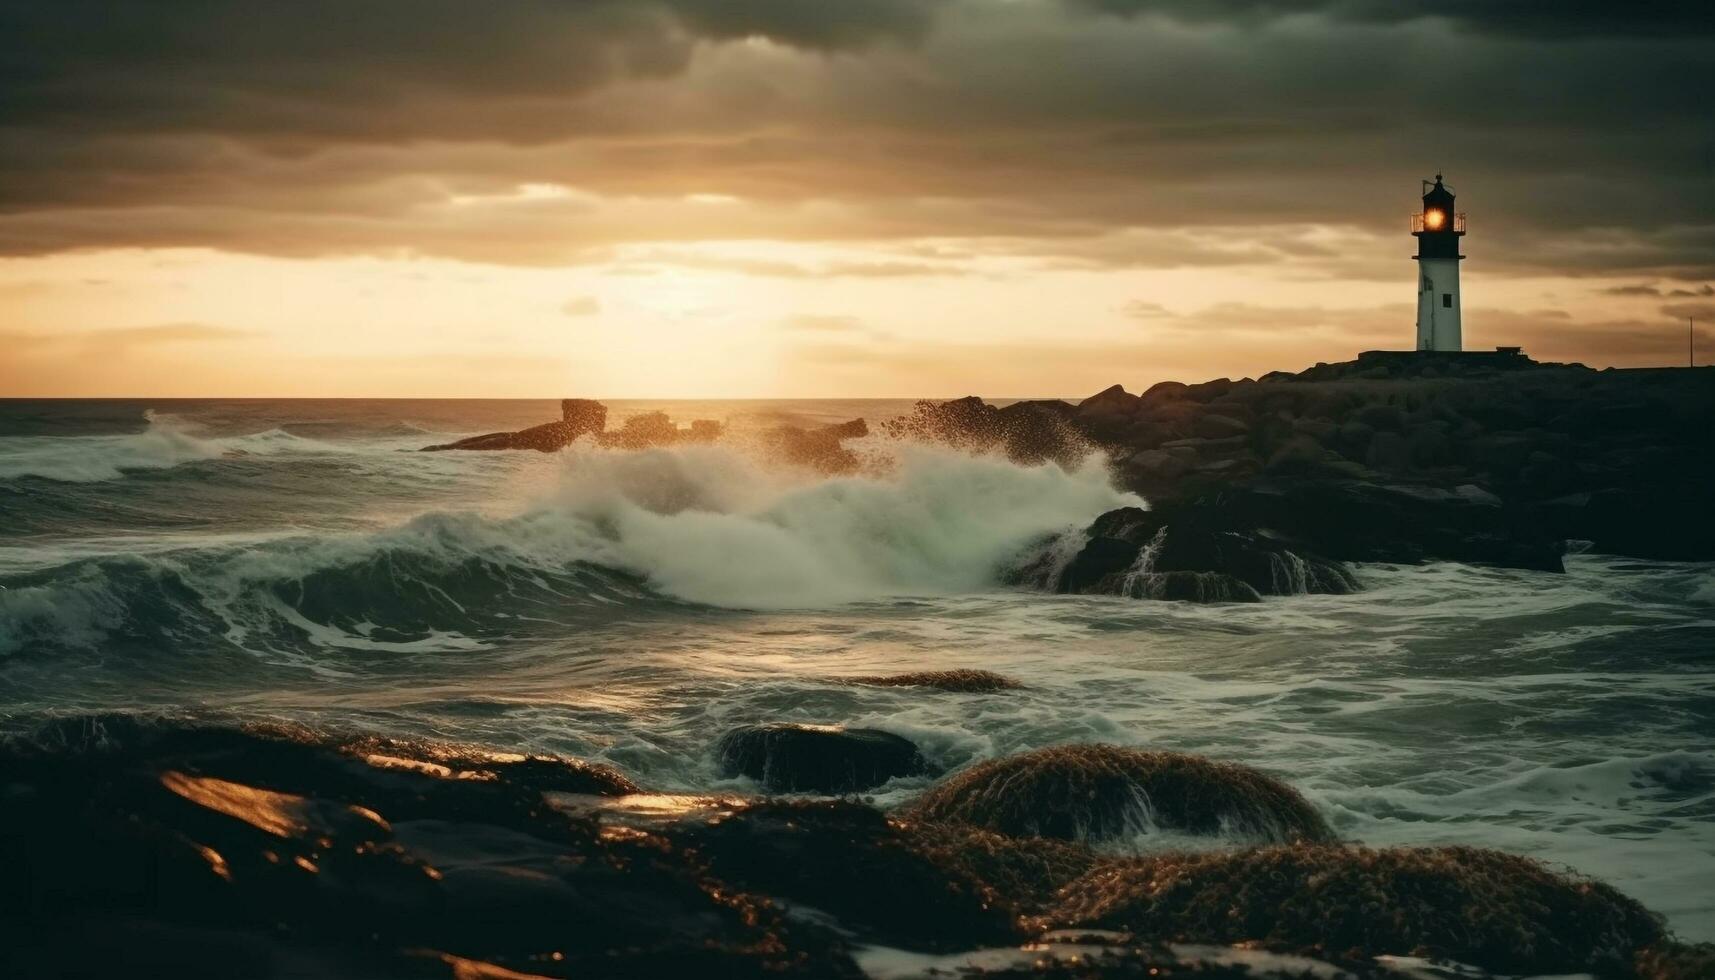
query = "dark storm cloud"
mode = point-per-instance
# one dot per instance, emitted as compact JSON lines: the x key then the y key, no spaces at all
{"x":1529,"y":18}
{"x":1580,"y":142}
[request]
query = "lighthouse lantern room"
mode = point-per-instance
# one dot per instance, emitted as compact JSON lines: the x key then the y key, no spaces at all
{"x":1438,"y":228}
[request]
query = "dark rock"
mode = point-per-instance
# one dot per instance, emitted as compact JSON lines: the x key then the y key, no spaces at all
{"x":579,"y":416}
{"x":1671,"y":523}
{"x":850,"y":861}
{"x":583,"y":414}
{"x":1495,"y":911}
{"x":1183,"y":556}
{"x":1388,"y":451}
{"x":1221,"y":427}
{"x":1098,"y":792}
{"x":549,"y":437}
{"x":116,"y":828}
{"x":644,"y":431}
{"x":1114,"y":400}
{"x":966,"y":681}
{"x":821,"y":448}
{"x":788,"y":758}
{"x":1028,"y":432}
{"x":1164,"y":391}
{"x":1370,"y":522}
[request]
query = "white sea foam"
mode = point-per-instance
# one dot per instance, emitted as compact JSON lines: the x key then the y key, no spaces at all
{"x":712,"y":526}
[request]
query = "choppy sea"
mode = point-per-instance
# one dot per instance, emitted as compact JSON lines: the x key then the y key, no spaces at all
{"x":299,"y":560}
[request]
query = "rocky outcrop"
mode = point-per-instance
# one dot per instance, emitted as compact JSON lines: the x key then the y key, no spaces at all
{"x":1027,"y":432}
{"x":821,"y":447}
{"x":578,"y":417}
{"x":1617,"y":458}
{"x":787,"y":758}
{"x":1101,"y":792}
{"x":1182,"y":555}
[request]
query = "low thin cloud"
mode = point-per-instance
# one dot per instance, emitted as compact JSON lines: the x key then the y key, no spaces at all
{"x":823,"y":323}
{"x":581,"y":306}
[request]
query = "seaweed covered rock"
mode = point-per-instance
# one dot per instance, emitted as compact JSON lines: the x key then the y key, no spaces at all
{"x":1489,"y":909}
{"x":964,"y":681}
{"x":788,"y":758}
{"x":1095,"y":792}
{"x":1676,"y":961}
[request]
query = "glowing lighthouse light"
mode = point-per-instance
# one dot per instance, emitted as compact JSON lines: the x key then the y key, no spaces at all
{"x":1438,"y":229}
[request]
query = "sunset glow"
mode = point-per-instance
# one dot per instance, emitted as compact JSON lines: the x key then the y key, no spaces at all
{"x":905,"y":198}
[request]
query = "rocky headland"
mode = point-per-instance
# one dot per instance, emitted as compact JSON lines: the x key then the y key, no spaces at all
{"x":1272,"y":486}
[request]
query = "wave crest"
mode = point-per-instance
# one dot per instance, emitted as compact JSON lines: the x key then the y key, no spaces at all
{"x":701,"y":524}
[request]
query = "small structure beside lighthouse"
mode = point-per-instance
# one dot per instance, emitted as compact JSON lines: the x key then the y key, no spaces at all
{"x":1438,"y":229}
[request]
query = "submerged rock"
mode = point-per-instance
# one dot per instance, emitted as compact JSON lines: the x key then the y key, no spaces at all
{"x":1492,"y":910}
{"x":787,"y":758}
{"x":967,"y":681}
{"x":1097,"y":792}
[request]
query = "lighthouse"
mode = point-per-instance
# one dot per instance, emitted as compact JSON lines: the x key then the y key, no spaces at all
{"x":1438,"y":229}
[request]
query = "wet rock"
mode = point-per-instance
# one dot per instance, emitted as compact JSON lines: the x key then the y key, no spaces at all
{"x":1670,"y":523}
{"x":1097,"y":792}
{"x":850,"y":861}
{"x":1676,"y":961}
{"x":1183,"y":556}
{"x":1492,"y":910}
{"x":1348,"y":521}
{"x":550,"y":437}
{"x":583,"y":414}
{"x":1221,"y":427}
{"x":578,"y":417}
{"x":964,"y":681}
{"x":787,"y":758}
{"x":1027,"y":432}
{"x":1113,"y":400}
{"x":821,"y":448}
{"x":643,"y":431}
{"x":127,"y":833}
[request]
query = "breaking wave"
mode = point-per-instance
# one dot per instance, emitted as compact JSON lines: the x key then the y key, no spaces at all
{"x":704,"y":525}
{"x":165,"y":443}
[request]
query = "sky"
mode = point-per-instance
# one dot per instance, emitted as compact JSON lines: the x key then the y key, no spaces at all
{"x":804,"y":198}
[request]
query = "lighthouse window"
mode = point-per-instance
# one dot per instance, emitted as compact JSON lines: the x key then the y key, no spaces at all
{"x":1446,"y":301}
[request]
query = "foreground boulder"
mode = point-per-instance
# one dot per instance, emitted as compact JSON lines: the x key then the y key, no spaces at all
{"x":1492,"y":910}
{"x":1099,"y":792}
{"x":128,"y":856}
{"x":788,"y":758}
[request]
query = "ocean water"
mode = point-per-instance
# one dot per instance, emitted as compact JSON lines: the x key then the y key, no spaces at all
{"x":298,"y":560}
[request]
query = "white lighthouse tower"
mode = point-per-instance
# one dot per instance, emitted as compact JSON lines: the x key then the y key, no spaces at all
{"x":1438,"y":229}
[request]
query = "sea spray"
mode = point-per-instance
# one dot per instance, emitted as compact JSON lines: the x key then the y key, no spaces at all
{"x":728,"y":532}
{"x":705,"y":525}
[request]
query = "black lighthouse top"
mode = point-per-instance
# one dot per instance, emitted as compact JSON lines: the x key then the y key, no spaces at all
{"x":1438,"y":227}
